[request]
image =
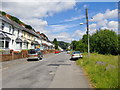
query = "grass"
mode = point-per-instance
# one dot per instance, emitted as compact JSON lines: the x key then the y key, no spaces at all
{"x":97,"y":73}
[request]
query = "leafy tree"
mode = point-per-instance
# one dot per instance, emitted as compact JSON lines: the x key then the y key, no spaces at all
{"x":2,"y":13}
{"x":74,"y":45}
{"x":15,"y":19}
{"x":81,"y":46}
{"x":105,"y":42}
{"x":63,"y":45}
{"x":56,"y":43}
{"x":85,"y":39}
{"x":28,"y":27}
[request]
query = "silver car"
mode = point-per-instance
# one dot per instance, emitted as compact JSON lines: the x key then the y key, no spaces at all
{"x":33,"y":54}
{"x":76,"y":54}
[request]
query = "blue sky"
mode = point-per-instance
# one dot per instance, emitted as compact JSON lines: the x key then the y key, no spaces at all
{"x":79,"y":11}
{"x":61,"y":19}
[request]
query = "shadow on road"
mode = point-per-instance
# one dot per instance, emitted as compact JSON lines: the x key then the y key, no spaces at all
{"x":32,"y":60}
{"x":74,"y":59}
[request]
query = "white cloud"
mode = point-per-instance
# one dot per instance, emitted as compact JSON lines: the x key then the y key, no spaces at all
{"x":63,"y":36}
{"x":36,"y":9}
{"x":59,"y":28}
{"x":77,"y":35}
{"x":113,"y":25}
{"x":36,"y":22}
{"x":36,"y":0}
{"x":111,"y":14}
{"x":102,"y":20}
{"x":31,"y":12}
{"x":74,"y":18}
{"x":92,"y":28}
{"x":97,"y":17}
{"x":107,"y":15}
{"x":102,"y":23}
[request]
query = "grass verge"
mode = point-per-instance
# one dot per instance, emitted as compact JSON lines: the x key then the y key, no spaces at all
{"x":102,"y":70}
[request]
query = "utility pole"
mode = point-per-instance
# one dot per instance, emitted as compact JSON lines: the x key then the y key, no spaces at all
{"x":87,"y":31}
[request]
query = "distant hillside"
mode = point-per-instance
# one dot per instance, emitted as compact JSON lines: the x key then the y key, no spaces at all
{"x":63,"y":45}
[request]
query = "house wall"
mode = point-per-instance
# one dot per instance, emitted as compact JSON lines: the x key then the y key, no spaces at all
{"x":17,"y":31}
{"x":13,"y":33}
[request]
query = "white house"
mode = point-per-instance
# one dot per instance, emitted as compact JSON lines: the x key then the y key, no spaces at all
{"x":17,"y":37}
{"x":11,"y":30}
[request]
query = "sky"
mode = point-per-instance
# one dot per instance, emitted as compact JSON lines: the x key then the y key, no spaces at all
{"x":61,"y":20}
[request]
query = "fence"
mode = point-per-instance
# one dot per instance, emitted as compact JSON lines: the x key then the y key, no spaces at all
{"x":7,"y":55}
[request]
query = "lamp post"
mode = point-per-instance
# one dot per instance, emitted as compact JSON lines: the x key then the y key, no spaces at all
{"x":87,"y":25}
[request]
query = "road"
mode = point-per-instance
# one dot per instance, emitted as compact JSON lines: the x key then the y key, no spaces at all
{"x":54,"y":71}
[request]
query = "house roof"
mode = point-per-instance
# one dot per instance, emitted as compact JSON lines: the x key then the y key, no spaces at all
{"x":35,"y":42}
{"x":3,"y":35}
{"x":25,"y":41}
{"x":18,"y":40}
{"x":17,"y":25}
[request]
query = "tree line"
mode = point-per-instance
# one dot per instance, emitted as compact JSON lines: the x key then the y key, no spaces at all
{"x":62,"y":44}
{"x":102,"y":41}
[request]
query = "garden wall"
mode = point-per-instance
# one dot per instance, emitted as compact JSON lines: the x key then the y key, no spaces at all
{"x":7,"y":55}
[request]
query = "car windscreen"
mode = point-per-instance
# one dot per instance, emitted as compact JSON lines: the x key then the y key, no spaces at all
{"x":32,"y":51}
{"x":77,"y":52}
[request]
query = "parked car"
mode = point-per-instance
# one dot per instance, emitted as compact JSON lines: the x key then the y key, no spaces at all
{"x":76,"y":54}
{"x":68,"y":52}
{"x":34,"y":54}
{"x":57,"y":52}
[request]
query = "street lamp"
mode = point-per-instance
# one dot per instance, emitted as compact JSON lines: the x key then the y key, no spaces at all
{"x":87,"y":25}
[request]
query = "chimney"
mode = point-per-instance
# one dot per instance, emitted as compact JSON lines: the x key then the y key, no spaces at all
{"x":38,"y":33}
{"x":7,"y":16}
{"x":22,"y":25}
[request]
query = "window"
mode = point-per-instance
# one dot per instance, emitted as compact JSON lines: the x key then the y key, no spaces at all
{"x":13,"y":30}
{"x":10,"y":27}
{"x":18,"y":32}
{"x":1,"y":44}
{"x":6,"y":44}
{"x":12,"y":42}
{"x":20,"y":45}
{"x":3,"y":25}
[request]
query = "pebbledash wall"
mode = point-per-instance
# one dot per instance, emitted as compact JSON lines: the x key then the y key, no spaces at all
{"x":17,"y":37}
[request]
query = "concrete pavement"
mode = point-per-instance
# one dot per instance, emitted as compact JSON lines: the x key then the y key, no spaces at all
{"x":69,"y":75}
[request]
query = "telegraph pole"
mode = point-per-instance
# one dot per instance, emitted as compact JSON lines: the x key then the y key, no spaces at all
{"x":87,"y":31}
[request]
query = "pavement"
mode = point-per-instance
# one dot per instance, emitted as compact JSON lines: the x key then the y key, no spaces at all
{"x":54,"y":71}
{"x":69,"y":75}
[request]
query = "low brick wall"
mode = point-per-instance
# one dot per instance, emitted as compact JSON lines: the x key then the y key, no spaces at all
{"x":23,"y":54}
{"x":6,"y":57}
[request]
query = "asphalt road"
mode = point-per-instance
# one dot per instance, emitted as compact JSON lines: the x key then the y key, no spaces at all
{"x":46,"y":73}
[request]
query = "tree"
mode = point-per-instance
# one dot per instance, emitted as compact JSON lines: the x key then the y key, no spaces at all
{"x":2,"y":13}
{"x":105,"y":42}
{"x":28,"y":27}
{"x":56,"y":43}
{"x":74,"y":44}
{"x":63,"y":45}
{"x":81,"y":46}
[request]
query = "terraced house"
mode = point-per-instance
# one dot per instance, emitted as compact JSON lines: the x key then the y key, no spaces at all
{"x":17,"y":37}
